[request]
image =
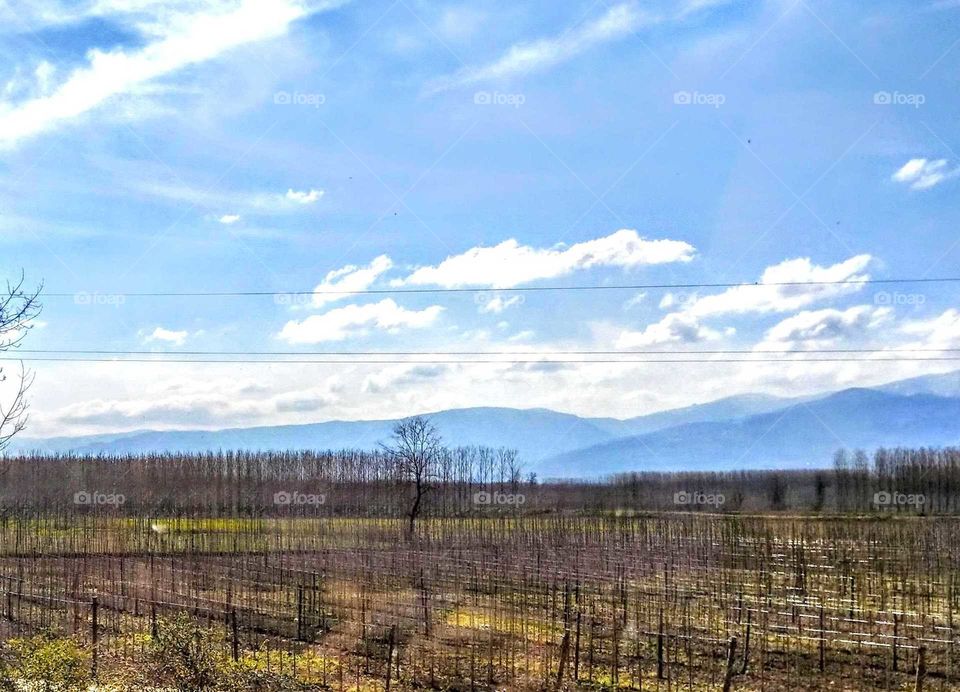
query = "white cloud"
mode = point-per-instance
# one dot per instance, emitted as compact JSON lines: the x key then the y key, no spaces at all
{"x":685,"y":325}
{"x":497,"y":304}
{"x":827,"y":325}
{"x":308,"y":197}
{"x":616,"y":23}
{"x":675,"y":328}
{"x":356,"y":320}
{"x":942,"y":330}
{"x":167,"y":335}
{"x":510,"y":264}
{"x":784,"y":298}
{"x":181,"y":38}
{"x":921,"y":174}
{"x":229,"y":218}
{"x":349,"y":278}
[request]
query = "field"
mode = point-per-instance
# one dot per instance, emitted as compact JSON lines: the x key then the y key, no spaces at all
{"x":550,"y":601}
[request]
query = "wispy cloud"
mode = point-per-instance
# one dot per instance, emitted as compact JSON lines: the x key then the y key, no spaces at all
{"x":180,"y":39}
{"x":616,"y":23}
{"x":251,"y":202}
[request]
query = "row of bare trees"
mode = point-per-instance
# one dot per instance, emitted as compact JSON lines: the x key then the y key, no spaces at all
{"x":412,"y":475}
{"x":415,"y":475}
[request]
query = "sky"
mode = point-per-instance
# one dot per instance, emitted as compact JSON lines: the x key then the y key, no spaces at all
{"x":297,"y":145}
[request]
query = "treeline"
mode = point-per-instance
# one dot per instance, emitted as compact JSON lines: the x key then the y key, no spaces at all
{"x":458,"y":481}
{"x":242,"y":483}
{"x":924,"y":480}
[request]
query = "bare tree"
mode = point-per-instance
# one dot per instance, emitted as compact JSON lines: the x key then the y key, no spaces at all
{"x":18,"y":308}
{"x":414,"y":451}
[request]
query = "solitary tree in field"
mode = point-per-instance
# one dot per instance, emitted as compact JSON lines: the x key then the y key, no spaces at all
{"x":18,"y":308}
{"x":415,"y":447}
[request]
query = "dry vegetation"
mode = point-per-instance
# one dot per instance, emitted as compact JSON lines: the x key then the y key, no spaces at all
{"x":198,"y":581}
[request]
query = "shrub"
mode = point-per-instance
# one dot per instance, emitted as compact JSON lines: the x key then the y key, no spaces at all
{"x":47,"y":662}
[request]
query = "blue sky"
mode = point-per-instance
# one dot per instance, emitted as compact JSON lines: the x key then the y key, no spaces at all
{"x":284,"y":145}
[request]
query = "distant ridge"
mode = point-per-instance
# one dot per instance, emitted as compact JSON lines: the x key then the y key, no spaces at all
{"x":742,"y":431}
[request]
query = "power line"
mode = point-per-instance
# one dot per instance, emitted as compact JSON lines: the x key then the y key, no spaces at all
{"x":83,"y":295}
{"x":530,"y":354}
{"x":528,"y":361}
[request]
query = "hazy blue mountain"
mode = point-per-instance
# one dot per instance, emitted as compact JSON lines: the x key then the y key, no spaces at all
{"x":536,"y":433}
{"x":802,"y":435}
{"x":729,"y":407}
{"x":946,"y":384}
{"x":746,"y":431}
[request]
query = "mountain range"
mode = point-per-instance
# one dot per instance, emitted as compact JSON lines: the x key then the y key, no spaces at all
{"x":738,"y":432}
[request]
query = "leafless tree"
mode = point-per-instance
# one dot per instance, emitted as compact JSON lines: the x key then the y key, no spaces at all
{"x":18,"y":309}
{"x":415,"y":447}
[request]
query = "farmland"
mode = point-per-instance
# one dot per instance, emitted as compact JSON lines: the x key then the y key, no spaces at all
{"x":503,"y":599}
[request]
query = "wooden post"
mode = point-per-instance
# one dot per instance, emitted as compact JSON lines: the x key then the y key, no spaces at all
{"x":233,"y":632}
{"x":921,"y":668}
{"x":425,"y":602}
{"x":300,"y":612}
{"x":576,"y":651}
{"x":393,"y":634}
{"x":731,"y":658}
{"x":564,"y":650}
{"x":823,"y":641}
{"x":94,"y":634}
{"x":660,"y":647}
{"x":896,"y":634}
{"x":746,"y":647}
